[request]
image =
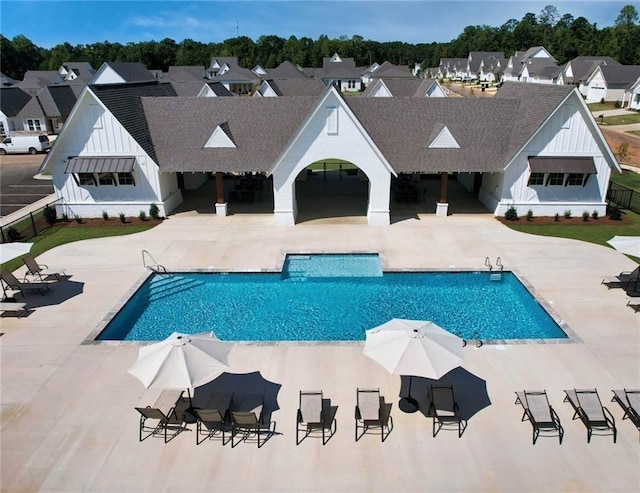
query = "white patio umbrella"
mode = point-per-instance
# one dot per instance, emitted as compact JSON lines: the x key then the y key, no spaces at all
{"x":181,"y":361}
{"x":629,"y":245}
{"x":414,"y":347}
{"x":9,"y":251}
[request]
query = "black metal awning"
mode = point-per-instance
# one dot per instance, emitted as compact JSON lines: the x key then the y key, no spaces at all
{"x":117,"y":164}
{"x":579,"y":165}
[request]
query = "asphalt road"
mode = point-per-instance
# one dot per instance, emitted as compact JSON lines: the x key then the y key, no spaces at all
{"x":18,"y":187}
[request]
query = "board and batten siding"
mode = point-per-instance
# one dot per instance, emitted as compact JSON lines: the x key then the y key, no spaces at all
{"x":320,"y":140}
{"x":565,"y":134}
{"x":95,"y":132}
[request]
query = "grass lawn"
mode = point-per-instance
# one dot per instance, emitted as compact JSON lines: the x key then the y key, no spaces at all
{"x":602,"y":106}
{"x":592,"y":232}
{"x":67,"y":233}
{"x":629,"y":179}
{"x":634,"y":132}
{"x":331,"y":165}
{"x":622,"y":119}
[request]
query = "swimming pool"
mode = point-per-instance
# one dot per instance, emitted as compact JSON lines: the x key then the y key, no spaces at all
{"x":292,"y":306}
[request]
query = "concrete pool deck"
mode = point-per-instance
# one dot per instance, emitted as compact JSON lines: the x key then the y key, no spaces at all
{"x":68,"y":418}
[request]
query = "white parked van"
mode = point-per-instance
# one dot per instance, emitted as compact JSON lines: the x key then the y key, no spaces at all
{"x":18,"y":144}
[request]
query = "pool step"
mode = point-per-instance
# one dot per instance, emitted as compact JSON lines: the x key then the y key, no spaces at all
{"x":496,"y":276}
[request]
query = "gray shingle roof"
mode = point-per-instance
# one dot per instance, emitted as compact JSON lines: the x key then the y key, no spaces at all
{"x":12,"y":100}
{"x":412,"y":87}
{"x":298,"y":87}
{"x":287,"y":70}
{"x":186,"y":73}
{"x":124,"y":102}
{"x":620,"y":76}
{"x":389,"y":70}
{"x":63,"y":97}
{"x":261,"y":129}
{"x":132,"y":71}
{"x":475,"y":57}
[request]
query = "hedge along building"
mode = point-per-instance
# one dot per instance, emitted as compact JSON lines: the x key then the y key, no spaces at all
{"x":125,"y":146}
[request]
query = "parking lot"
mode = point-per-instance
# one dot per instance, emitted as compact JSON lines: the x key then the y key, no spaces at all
{"x":18,"y":185}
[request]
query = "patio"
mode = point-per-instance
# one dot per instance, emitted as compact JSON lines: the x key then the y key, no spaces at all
{"x":68,"y":417}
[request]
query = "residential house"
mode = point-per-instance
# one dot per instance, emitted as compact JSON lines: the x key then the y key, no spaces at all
{"x":408,"y":87}
{"x":286,"y":70}
{"x":235,"y":78}
{"x":126,"y":146}
{"x":577,"y":71}
{"x":486,"y":66}
{"x":611,"y":83}
{"x":342,"y":72}
{"x":534,"y":65}
{"x":290,"y":87}
{"x":452,"y":68}
{"x":386,"y":71}
{"x":634,"y":99}
{"x":19,"y":111}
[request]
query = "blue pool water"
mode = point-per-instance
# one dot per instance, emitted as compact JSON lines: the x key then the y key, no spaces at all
{"x":294,"y":307}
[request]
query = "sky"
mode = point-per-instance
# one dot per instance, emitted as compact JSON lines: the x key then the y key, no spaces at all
{"x":52,"y":22}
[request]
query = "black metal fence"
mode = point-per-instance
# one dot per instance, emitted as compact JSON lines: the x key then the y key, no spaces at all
{"x":32,"y":223}
{"x":623,"y":197}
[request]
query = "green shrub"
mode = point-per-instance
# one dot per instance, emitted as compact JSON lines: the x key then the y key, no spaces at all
{"x":142,"y":216}
{"x":614,"y":213}
{"x":12,"y":234}
{"x":586,"y":216}
{"x":529,"y":215}
{"x":154,"y":211}
{"x":556,"y":217}
{"x":511,"y":214}
{"x":105,"y":215}
{"x":618,"y":104}
{"x":123,"y":218}
{"x":50,"y":215}
{"x":595,"y":214}
{"x":65,"y":217}
{"x":77,"y":218}
{"x":567,"y":214}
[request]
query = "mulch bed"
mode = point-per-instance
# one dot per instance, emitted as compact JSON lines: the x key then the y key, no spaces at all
{"x":112,"y":221}
{"x":573,"y":221}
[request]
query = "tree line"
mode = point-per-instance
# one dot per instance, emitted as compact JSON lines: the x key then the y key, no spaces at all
{"x":564,"y":36}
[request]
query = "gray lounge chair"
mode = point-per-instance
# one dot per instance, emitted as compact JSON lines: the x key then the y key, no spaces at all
{"x":172,"y":421}
{"x":444,"y":409}
{"x":595,"y":417}
{"x":213,"y":420}
{"x":629,"y":400}
{"x":634,"y":306}
{"x":251,"y":424}
{"x":372,"y":412}
{"x":9,"y":281}
{"x":540,"y":414}
{"x":15,"y":308}
{"x":315,"y":414}
{"x":40,"y":271}
{"x":622,"y":280}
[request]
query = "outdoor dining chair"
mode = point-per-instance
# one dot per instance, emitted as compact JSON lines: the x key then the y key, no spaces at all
{"x":372,"y":412}
{"x":314,"y":414}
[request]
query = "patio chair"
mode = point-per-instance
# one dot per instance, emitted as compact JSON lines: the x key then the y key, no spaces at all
{"x":372,"y":412}
{"x":16,"y":308}
{"x":173,"y":421}
{"x":595,"y":417}
{"x":540,"y":414}
{"x":250,"y":424}
{"x":622,"y":280}
{"x":444,"y":409}
{"x":40,"y":271}
{"x":629,"y":401}
{"x":634,"y":306}
{"x":214,"y":420}
{"x":314,"y":415}
{"x":9,"y":281}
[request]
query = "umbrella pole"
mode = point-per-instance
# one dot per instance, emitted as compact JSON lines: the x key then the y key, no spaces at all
{"x":409,"y":393}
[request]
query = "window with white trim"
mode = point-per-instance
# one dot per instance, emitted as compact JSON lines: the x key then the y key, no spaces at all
{"x":351,"y":84}
{"x":576,"y":179}
{"x":106,"y":179}
{"x":85,"y":179}
{"x":126,"y":179}
{"x":536,"y":179}
{"x":555,"y":179}
{"x":33,"y":124}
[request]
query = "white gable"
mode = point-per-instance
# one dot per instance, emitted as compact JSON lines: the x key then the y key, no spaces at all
{"x":444,"y":140}
{"x":380,"y":90}
{"x":106,"y":75}
{"x":335,"y":58}
{"x":206,"y":92}
{"x":219,"y":139}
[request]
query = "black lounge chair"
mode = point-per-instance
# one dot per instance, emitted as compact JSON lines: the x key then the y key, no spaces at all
{"x":250,"y":424}
{"x":629,"y":401}
{"x":444,"y":409}
{"x":372,"y":412}
{"x":315,"y":414}
{"x":213,"y":421}
{"x":540,"y":414}
{"x":9,"y":281}
{"x":595,"y":417}
{"x":40,"y":271}
{"x":172,"y":421}
{"x":622,"y":280}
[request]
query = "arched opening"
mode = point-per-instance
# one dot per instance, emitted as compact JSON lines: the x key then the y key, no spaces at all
{"x":332,"y":189}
